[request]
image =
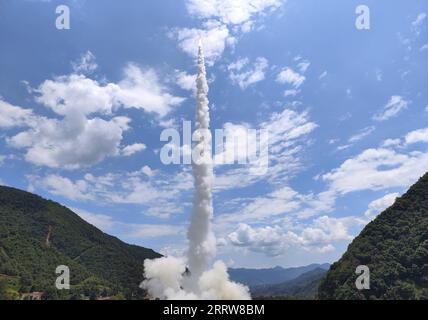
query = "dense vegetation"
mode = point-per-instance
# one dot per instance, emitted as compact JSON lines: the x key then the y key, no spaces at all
{"x":304,"y":286}
{"x":100,"y":265}
{"x":395,"y":248}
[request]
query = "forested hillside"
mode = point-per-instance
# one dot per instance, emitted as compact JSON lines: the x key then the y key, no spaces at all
{"x":37,"y":235}
{"x":395,"y":248}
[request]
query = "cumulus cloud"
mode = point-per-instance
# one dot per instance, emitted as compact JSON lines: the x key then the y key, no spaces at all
{"x":142,"y":89}
{"x":395,"y":105}
{"x":215,"y":38}
{"x":132,"y":149}
{"x":72,"y":142}
{"x":222,"y":23}
{"x":85,"y":130}
{"x":76,"y":93}
{"x":377,"y":206}
{"x":13,"y":116}
{"x":251,"y":75}
{"x":186,"y":81}
{"x":415,"y":136}
{"x":318,"y":236}
{"x":289,"y":76}
{"x":166,"y":279}
{"x":269,"y":240}
{"x":376,"y":169}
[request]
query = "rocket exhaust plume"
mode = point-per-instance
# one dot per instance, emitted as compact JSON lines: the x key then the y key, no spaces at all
{"x":169,"y":277}
{"x":202,"y":244}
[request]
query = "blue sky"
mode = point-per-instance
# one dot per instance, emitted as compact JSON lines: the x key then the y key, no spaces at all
{"x":82,"y":111}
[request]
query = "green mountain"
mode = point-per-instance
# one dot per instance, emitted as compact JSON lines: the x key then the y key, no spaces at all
{"x":37,"y":235}
{"x":304,"y":286}
{"x":395,"y":248}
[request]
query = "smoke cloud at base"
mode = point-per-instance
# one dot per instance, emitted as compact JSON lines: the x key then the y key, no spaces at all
{"x":165,"y":278}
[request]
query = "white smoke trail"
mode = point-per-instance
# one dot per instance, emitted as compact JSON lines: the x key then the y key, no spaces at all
{"x":202,"y":244}
{"x":168,"y":277}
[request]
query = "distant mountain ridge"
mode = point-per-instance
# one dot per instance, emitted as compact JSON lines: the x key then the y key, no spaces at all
{"x":304,"y":286}
{"x":395,"y":248}
{"x":254,"y":277}
{"x":37,"y":235}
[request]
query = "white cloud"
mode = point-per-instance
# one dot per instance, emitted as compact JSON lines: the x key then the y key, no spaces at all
{"x":419,"y":19}
{"x":132,"y":149}
{"x":186,"y":81}
{"x":71,"y":143}
{"x":275,"y":241}
{"x":291,"y":77}
{"x":76,"y":93}
{"x":86,"y":64}
{"x":78,"y":138}
{"x":415,"y":136}
{"x":268,"y":240}
{"x":291,"y":92}
{"x":238,"y":64}
{"x":223,"y":21}
{"x":142,"y":89}
{"x":424,"y":47}
{"x":362,"y":134}
{"x":377,"y":206}
{"x":418,"y":23}
{"x":215,"y":37}
{"x":250,"y":76}
{"x":288,"y":131}
{"x":13,"y":116}
{"x":391,"y":143}
{"x":231,"y":12}
{"x":276,"y":203}
{"x":395,"y":105}
{"x":64,"y":187}
{"x":155,"y":192}
{"x":376,"y":169}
